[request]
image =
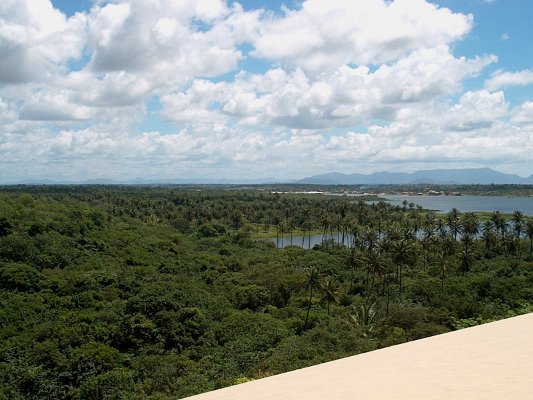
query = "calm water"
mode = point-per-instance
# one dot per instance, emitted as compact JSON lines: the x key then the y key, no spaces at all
{"x":443,"y":204}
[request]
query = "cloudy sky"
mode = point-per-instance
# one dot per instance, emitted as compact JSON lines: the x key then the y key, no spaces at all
{"x":163,"y":89}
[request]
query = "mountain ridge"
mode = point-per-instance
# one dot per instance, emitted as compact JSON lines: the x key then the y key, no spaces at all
{"x":468,"y":176}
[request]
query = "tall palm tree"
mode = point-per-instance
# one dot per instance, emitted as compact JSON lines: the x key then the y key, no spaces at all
{"x":329,"y":291}
{"x":305,"y":226}
{"x":453,"y":222}
{"x":375,"y":266}
{"x":466,"y":253}
{"x":518,"y":227}
{"x":325,"y":221}
{"x":370,"y":238}
{"x":402,"y":252}
{"x":312,"y":282}
{"x":442,"y":264}
{"x":442,"y":232}
{"x":353,"y":259}
{"x":470,"y":224}
{"x":282,"y":229}
{"x":529,"y":233}
{"x":428,"y":226}
{"x":488,"y":235}
{"x":518,"y":222}
{"x":354,"y":231}
{"x":500,"y":223}
{"x":291,"y":225}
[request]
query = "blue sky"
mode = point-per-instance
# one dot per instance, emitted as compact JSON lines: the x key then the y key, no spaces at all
{"x":260,"y":89}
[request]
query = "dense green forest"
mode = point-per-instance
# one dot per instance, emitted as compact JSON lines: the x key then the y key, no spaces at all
{"x":115,"y":292}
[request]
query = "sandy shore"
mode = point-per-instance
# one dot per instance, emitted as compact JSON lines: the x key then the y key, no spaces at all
{"x":491,"y":361}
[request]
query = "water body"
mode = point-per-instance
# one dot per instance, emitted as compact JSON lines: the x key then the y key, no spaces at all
{"x":443,"y":204}
{"x":440,"y":204}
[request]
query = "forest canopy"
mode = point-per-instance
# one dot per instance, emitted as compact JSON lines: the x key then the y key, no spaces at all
{"x":110,"y":292}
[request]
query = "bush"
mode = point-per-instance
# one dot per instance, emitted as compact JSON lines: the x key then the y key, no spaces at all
{"x":113,"y":385}
{"x":5,"y":227}
{"x":20,"y":277}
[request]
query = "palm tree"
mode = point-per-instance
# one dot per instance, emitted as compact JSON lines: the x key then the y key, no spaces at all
{"x":454,"y":224}
{"x":370,"y":238}
{"x":499,"y":223}
{"x":375,"y":265}
{"x":312,"y":282}
{"x":325,"y":221}
{"x":441,"y":229}
{"x":518,"y":227}
{"x":529,"y":233}
{"x":428,"y":226}
{"x":466,"y":253}
{"x":449,"y":245}
{"x":402,"y":252}
{"x":354,"y":231}
{"x":442,"y":264}
{"x":276,"y":221}
{"x":470,"y":224}
{"x":306,"y":226}
{"x":329,"y":291}
{"x":488,"y":235}
{"x":282,"y":227}
{"x":352,"y":260}
{"x":291,"y":225}
{"x":518,"y":221}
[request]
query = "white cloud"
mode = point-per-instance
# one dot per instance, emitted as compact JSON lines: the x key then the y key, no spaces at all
{"x":56,"y":107}
{"x":476,"y":110}
{"x":36,"y":40}
{"x":159,"y":39}
{"x":347,"y":96}
{"x":523,"y":114}
{"x":327,"y":34}
{"x":347,"y":86}
{"x":502,"y":79}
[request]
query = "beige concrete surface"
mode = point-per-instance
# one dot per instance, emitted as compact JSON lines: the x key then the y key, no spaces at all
{"x":491,"y":361}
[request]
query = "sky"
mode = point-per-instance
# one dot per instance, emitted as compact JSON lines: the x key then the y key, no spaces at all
{"x":212,"y":89}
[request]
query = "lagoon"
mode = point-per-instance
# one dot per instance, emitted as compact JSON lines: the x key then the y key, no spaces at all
{"x":443,"y":204}
{"x":439,"y":204}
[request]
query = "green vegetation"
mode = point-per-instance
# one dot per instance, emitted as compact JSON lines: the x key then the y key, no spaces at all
{"x":164,"y":292}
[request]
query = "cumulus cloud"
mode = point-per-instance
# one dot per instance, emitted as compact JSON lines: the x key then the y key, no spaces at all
{"x":342,"y":85}
{"x":166,"y":41}
{"x":523,"y":114}
{"x":346,"y":96}
{"x":36,"y":40}
{"x":502,"y":79}
{"x":327,"y":34}
{"x":53,"y":107}
{"x":476,"y":110}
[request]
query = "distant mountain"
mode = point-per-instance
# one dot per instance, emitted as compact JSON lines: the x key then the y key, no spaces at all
{"x":482,"y":176}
